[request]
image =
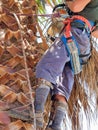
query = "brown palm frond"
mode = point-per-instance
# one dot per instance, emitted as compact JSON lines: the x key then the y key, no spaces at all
{"x":85,"y":91}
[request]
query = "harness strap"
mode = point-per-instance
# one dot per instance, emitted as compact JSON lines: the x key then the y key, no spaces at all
{"x":84,"y":55}
{"x":68,"y":21}
{"x":71,"y":43}
{"x":87,"y":23}
{"x":73,"y":53}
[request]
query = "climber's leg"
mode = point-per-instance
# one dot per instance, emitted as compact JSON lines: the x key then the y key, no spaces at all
{"x":60,"y":111}
{"x":40,"y":100}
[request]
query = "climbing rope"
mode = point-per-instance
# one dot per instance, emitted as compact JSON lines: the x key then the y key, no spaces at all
{"x":26,"y":68}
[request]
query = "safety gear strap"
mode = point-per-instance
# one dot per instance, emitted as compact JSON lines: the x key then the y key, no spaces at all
{"x":71,"y":43}
{"x":68,"y":22}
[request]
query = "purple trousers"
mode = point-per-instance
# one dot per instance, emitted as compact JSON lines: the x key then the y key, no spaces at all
{"x":54,"y":67}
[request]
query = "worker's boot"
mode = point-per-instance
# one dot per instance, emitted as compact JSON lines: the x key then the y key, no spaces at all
{"x":40,"y":100}
{"x":59,"y":116}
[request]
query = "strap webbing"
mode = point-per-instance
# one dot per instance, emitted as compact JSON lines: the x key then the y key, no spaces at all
{"x":68,"y":21}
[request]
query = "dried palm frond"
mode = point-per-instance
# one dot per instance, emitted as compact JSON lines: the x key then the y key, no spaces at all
{"x":15,"y":98}
{"x":85,"y":92}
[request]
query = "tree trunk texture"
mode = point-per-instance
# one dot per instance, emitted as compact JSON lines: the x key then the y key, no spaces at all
{"x":19,"y":54}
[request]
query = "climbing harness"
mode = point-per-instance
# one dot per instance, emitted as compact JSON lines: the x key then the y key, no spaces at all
{"x":71,"y":20}
{"x":71,"y":44}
